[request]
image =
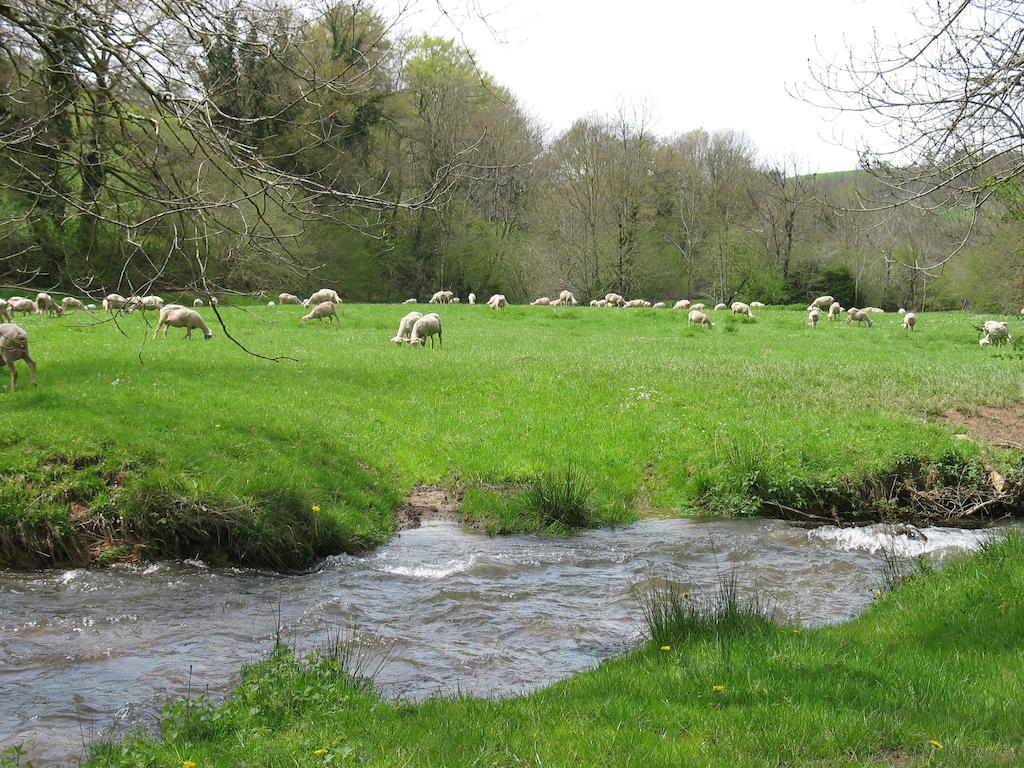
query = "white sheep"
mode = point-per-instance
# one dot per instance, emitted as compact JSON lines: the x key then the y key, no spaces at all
{"x":320,"y":311}
{"x":178,"y":316}
{"x":697,"y":306}
{"x":821,"y":302}
{"x":739,"y":308}
{"x":635,"y":304}
{"x":456,"y":300}
{"x":472,"y":298}
{"x":90,"y":307}
{"x":756,"y":304}
{"x":410,"y":301}
{"x":426,"y":327}
{"x":14,"y":346}
{"x":543,"y":301}
{"x":405,"y":326}
{"x":324,"y":294}
{"x":271,"y":304}
{"x":834,"y":309}
{"x":555,"y":303}
{"x":197,"y":303}
{"x":660,"y":305}
{"x":289,"y":298}
{"x":5,"y":311}
{"x":812,"y":317}
{"x":21,"y":304}
{"x":909,"y":321}
{"x":440,"y":297}
{"x":497,"y":301}
{"x":698,"y":317}
{"x":46,"y":304}
{"x":615,"y":299}
{"x":70,"y":302}
{"x":875,"y":310}
{"x":858,"y":316}
{"x":567,"y":297}
{"x":902,"y":311}
{"x":996,"y":332}
{"x":214,"y":301}
{"x":146,"y":302}
{"x":681,"y":304}
{"x":719,"y":306}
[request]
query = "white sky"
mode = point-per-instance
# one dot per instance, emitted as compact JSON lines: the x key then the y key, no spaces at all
{"x":694,"y":64}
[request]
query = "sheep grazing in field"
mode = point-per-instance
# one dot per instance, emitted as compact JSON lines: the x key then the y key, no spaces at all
{"x":214,"y":301}
{"x":440,"y":297}
{"x":859,"y":316}
{"x":497,"y":301}
{"x":615,"y":299}
{"x":324,"y":294}
{"x":698,"y":317}
{"x":681,"y":304}
{"x":456,"y":300}
{"x":197,"y":303}
{"x":320,"y":311}
{"x":5,"y":311}
{"x":555,"y":303}
{"x":410,"y":301}
{"x":567,"y":298}
{"x":471,"y":298}
{"x":70,"y":302}
{"x":902,"y":311}
{"x":739,"y":308}
{"x":46,"y":304}
{"x":697,"y":306}
{"x":660,"y":305}
{"x":178,"y":316}
{"x":834,"y":309}
{"x":875,"y":310}
{"x":426,"y":327}
{"x":720,"y":306}
{"x":14,"y":346}
{"x":756,"y":304}
{"x":543,"y":301}
{"x":821,"y":302}
{"x":405,"y":326}
{"x":909,"y":321}
{"x":114,"y":301}
{"x":271,"y":304}
{"x":289,"y":298}
{"x":21,"y":304}
{"x":812,"y":317}
{"x":146,"y":302}
{"x":637,"y":304}
{"x":996,"y":332}
{"x":90,"y":307}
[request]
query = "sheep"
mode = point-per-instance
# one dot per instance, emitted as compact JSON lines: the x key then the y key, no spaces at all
{"x":324,"y":294}
{"x":289,"y":298}
{"x":660,"y":305}
{"x":271,"y":304}
{"x":46,"y":304}
{"x":146,"y":302}
{"x":472,"y":298}
{"x":599,"y":303}
{"x":902,"y":311}
{"x":543,"y":301}
{"x":5,"y":311}
{"x":214,"y":301}
{"x":681,"y":304}
{"x":177,"y":316}
{"x":697,"y":306}
{"x":593,"y":303}
{"x":812,"y":317}
{"x":438,"y":298}
{"x":90,"y":307}
{"x":555,"y":303}
{"x":821,"y":302}
{"x":874,"y":310}
{"x":834,"y":309}
{"x":698,"y":317}
{"x":567,"y":297}
{"x":756,"y":304}
{"x":70,"y":302}
{"x":21,"y":304}
{"x":14,"y":346}
{"x":615,"y":299}
{"x":197,"y":303}
{"x":405,"y":327}
{"x":497,"y":301}
{"x":410,"y":301}
{"x":635,"y":304}
{"x":996,"y":332}
{"x":456,"y":300}
{"x":859,"y":316}
{"x":909,"y":321}
{"x":428,"y":326}
{"x":320,"y":311}
{"x":719,"y":306}
{"x":739,"y":308}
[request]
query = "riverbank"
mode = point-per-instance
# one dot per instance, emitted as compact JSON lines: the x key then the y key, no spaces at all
{"x":929,"y":675}
{"x":138,"y":449}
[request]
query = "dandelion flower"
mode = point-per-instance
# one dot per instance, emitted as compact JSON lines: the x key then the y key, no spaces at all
{"x":188,"y":764}
{"x":666,"y":647}
{"x":718,"y":688}
{"x":316,"y":507}
{"x":216,"y":426}
{"x":936,"y":744}
{"x":686,"y":595}
{"x":320,"y":752}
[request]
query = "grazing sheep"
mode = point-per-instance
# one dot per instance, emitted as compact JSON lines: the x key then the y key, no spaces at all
{"x":615,"y":299}
{"x":875,"y":310}
{"x":821,"y":302}
{"x":214,"y":301}
{"x":909,"y":321}
{"x":719,"y":306}
{"x":456,"y":300}
{"x":177,"y":316}
{"x":756,"y":304}
{"x":698,"y":317}
{"x":471,"y":298}
{"x":902,"y":311}
{"x":636,"y":304}
{"x":324,"y":294}
{"x":556,"y":303}
{"x":859,"y":316}
{"x":812,"y":317}
{"x":14,"y":346}
{"x":697,"y":306}
{"x":739,"y":308}
{"x":70,"y":302}
{"x":543,"y":301}
{"x":270,"y":304}
{"x":405,"y":327}
{"x":567,"y":297}
{"x":5,"y":311}
{"x":681,"y":304}
{"x":593,"y":303}
{"x":834,"y":309}
{"x":410,"y":301}
{"x":197,"y":303}
{"x":320,"y":311}
{"x":497,"y":301}
{"x":90,"y":307}
{"x":289,"y":298}
{"x":660,"y":305}
{"x":21,"y":304}
{"x":439,"y":298}
{"x":426,"y":327}
{"x":996,"y":332}
{"x":146,"y":302}
{"x":46,"y":304}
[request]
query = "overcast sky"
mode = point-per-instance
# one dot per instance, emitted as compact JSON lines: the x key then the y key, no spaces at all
{"x":694,"y":64}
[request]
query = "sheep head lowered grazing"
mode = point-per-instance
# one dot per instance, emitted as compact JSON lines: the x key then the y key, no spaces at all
{"x":178,"y":316}
{"x":322,"y":310}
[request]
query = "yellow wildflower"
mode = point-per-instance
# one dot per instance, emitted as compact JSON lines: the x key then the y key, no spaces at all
{"x":316,"y":507}
{"x":216,"y":426}
{"x":320,"y":752}
{"x":686,"y":595}
{"x":188,"y":764}
{"x":936,"y":744}
{"x":718,"y":689}
{"x":666,"y":647}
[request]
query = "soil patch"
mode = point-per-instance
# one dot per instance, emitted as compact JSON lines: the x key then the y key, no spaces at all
{"x":1001,"y":427}
{"x":428,"y":502}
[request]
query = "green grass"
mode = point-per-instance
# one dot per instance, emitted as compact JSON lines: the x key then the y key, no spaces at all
{"x":936,"y":659}
{"x":174,"y":447}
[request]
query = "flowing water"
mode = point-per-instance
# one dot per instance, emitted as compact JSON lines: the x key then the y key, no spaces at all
{"x":83,"y":653}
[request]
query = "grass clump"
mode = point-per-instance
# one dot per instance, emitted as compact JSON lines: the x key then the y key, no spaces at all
{"x":562,"y":499}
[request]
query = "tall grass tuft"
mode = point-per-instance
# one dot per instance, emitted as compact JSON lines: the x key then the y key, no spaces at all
{"x":562,"y":499}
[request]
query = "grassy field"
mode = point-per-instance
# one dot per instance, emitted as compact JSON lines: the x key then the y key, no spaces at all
{"x":930,"y":675}
{"x":135,"y":447}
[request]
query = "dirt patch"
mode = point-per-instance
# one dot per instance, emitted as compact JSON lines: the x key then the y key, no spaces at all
{"x":428,"y":502}
{"x":1001,"y":427}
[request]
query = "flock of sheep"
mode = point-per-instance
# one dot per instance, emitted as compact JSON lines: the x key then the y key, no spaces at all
{"x":415,"y":328}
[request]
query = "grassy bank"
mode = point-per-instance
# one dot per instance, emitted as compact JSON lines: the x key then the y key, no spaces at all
{"x":930,"y":675}
{"x":134,"y":447}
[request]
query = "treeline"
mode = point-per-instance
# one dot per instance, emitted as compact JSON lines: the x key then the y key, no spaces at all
{"x":254,"y":148}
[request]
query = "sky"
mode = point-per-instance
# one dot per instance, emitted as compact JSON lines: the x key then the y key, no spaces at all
{"x":691,"y":64}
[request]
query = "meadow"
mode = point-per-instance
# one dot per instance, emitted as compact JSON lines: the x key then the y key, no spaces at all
{"x":134,"y":447}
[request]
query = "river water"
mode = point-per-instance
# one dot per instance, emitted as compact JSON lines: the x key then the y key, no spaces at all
{"x":85,"y":653}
